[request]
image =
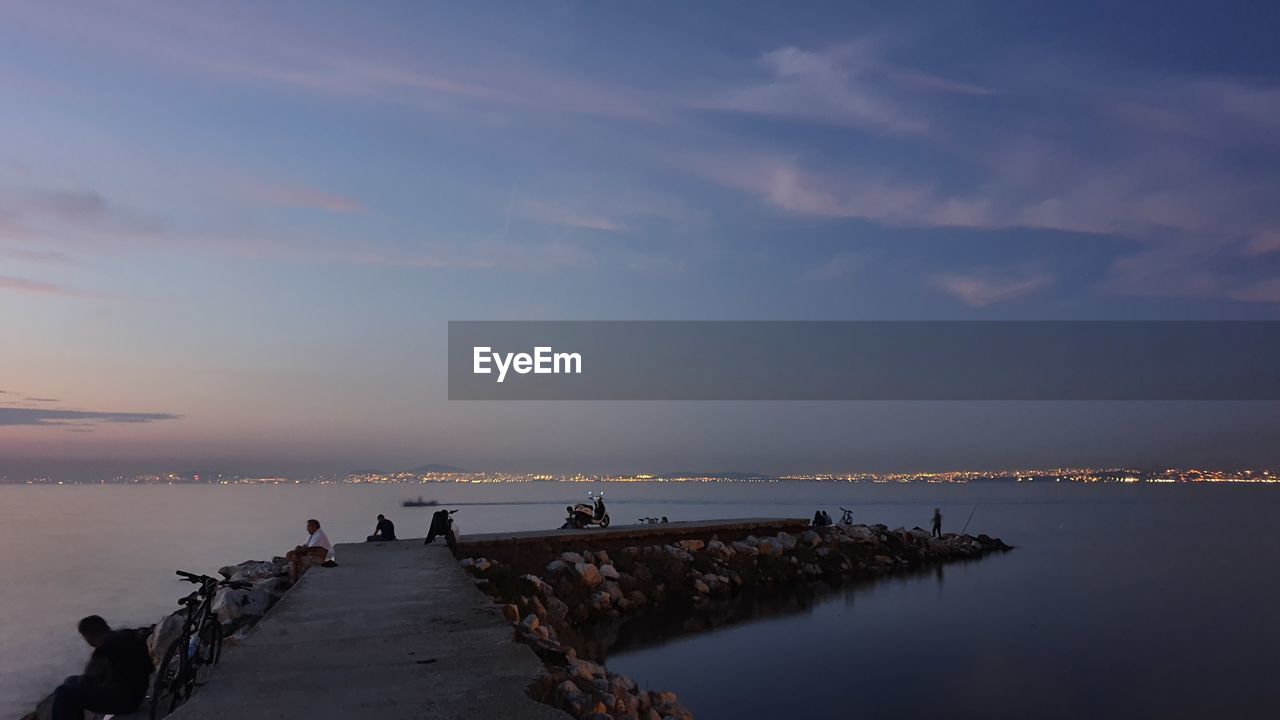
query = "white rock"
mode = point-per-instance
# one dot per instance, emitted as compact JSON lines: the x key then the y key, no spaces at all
{"x":165,"y":632}
{"x":609,"y":572}
{"x":231,"y":604}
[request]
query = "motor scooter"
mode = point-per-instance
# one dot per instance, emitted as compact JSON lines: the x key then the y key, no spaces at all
{"x":442,"y":524}
{"x":587,"y":514}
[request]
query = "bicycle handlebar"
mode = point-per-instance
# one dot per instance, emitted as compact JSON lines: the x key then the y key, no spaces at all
{"x":195,"y":579}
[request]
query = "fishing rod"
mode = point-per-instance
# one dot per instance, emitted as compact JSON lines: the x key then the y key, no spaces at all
{"x":966,"y":522}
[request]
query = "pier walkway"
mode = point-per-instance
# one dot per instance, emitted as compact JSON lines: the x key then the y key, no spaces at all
{"x":395,"y":631}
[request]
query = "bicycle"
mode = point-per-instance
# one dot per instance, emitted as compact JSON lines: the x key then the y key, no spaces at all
{"x":189,"y":659}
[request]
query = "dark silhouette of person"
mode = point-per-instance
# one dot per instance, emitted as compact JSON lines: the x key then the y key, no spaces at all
{"x":385,"y":530}
{"x":937,"y":523}
{"x":115,"y":678}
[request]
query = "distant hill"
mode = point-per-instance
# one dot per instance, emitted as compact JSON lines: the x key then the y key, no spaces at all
{"x":423,"y":469}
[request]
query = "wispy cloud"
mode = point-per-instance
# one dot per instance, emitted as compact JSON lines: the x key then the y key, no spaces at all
{"x":307,"y":198}
{"x":827,"y":87}
{"x":30,"y":416}
{"x":555,"y":214}
{"x":982,"y":289}
{"x":40,"y":287}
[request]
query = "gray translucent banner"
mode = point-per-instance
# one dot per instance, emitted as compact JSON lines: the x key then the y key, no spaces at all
{"x":712,"y":360}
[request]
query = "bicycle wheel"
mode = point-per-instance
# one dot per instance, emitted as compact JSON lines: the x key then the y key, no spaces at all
{"x":170,"y":685}
{"x":208,"y":653}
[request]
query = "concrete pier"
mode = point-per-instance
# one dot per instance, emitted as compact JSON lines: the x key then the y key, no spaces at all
{"x":395,"y":631}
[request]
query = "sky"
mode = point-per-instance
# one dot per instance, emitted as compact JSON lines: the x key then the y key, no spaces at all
{"x":232,"y":234}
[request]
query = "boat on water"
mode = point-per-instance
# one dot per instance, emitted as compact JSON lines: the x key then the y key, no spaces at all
{"x":419,"y":503}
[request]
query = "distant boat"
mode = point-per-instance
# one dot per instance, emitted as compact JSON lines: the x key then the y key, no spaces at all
{"x":419,"y":503}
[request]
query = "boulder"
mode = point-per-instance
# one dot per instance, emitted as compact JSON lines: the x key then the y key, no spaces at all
{"x":249,"y":571}
{"x":589,"y":574}
{"x":165,"y":632}
{"x":691,"y":545}
{"x":601,"y":600}
{"x":533,"y":585}
{"x":230,"y":604}
{"x":811,"y":538}
{"x":609,"y":572}
{"x":571,"y":558}
{"x":786,"y":540}
{"x":719,"y":550}
{"x":770,"y":546}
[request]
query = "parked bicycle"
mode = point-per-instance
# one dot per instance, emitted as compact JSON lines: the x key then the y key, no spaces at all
{"x":190,"y":658}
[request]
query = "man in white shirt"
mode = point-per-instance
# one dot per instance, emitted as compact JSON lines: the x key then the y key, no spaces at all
{"x":316,"y":551}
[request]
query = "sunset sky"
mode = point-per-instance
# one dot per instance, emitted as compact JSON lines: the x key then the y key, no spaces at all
{"x":231,"y":235}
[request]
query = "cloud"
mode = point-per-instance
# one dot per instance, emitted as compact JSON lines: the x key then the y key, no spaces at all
{"x":1266,"y":291}
{"x":981,"y":290}
{"x":308,"y":198}
{"x":41,"y":399}
{"x":836,"y":268}
{"x":38,"y":286}
{"x":550,"y":213}
{"x":41,"y":417}
{"x":259,"y":46}
{"x":828,"y":88}
{"x":38,"y":256}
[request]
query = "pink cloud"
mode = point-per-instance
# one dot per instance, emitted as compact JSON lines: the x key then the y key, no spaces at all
{"x":309,"y":198}
{"x":35,"y":286}
{"x":549,"y":213}
{"x":981,"y":290}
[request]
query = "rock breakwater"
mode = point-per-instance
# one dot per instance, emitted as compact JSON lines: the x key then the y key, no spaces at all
{"x":551,"y":607}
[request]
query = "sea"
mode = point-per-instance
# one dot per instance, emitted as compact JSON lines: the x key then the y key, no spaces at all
{"x":1119,"y":601}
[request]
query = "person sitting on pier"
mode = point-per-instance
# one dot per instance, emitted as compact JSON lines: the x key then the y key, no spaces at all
{"x":115,"y":679}
{"x":937,"y":523}
{"x":317,"y":551}
{"x":386,"y":530}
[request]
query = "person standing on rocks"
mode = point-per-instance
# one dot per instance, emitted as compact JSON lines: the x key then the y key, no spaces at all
{"x":316,"y":551}
{"x":386,"y":530}
{"x":115,"y":679}
{"x":937,"y":523}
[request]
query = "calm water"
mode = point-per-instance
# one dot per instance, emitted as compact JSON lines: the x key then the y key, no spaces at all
{"x":1121,"y":601}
